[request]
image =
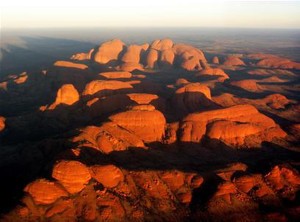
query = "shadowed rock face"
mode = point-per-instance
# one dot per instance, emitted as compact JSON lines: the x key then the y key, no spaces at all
{"x":151,"y":132}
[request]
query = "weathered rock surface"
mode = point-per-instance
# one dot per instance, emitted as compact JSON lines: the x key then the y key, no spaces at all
{"x":73,"y":175}
{"x":107,"y":138}
{"x":234,"y":126}
{"x":215,"y":60}
{"x":144,"y":121}
{"x":233,"y":61}
{"x":109,"y":51}
{"x":213,"y":72}
{"x":109,"y":175}
{"x":68,"y":64}
{"x":2,"y":123}
{"x":116,"y":75}
{"x":45,"y":192}
{"x":105,"y":87}
{"x":66,"y":95}
{"x":248,"y":85}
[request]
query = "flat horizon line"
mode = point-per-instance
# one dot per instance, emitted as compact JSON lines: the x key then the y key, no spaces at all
{"x":148,"y":27}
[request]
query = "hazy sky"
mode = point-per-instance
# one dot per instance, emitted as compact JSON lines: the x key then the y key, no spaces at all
{"x":155,"y":13}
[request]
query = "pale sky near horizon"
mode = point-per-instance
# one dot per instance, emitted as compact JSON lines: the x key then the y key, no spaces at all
{"x":151,"y":13}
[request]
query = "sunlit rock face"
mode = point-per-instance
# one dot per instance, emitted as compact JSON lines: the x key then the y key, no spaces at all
{"x":45,"y":192}
{"x":151,"y":132}
{"x":83,"y":55}
{"x":233,"y":61}
{"x":215,"y":60}
{"x":248,"y":85}
{"x":109,"y":176}
{"x":2,"y":123}
{"x":108,"y":51}
{"x":144,"y":121}
{"x":68,"y":64}
{"x":116,"y":75}
{"x":105,"y":87}
{"x":72,"y":175}
{"x":213,"y":72}
{"x":66,"y":95}
{"x":278,"y":63}
{"x":236,"y":126}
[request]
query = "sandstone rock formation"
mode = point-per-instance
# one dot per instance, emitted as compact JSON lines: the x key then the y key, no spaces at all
{"x":105,"y":87}
{"x":107,"y":138}
{"x":284,"y":179}
{"x":152,"y":59}
{"x":280,"y":63}
{"x":233,"y":61}
{"x":66,"y":95}
{"x":190,"y":58}
{"x":161,"y":45}
{"x":109,"y":175}
{"x":213,"y":72}
{"x":2,"y":123}
{"x":131,"y":66}
{"x":108,"y":51}
{"x":215,"y":60}
{"x":234,"y":126}
{"x":116,"y":75}
{"x":166,"y":58}
{"x":276,"y":101}
{"x":83,"y":55}
{"x":248,"y":85}
{"x":44,"y":191}
{"x":144,"y":121}
{"x":133,"y":53}
{"x":68,"y":64}
{"x":142,"y":98}
{"x":73,"y":175}
{"x":192,"y":97}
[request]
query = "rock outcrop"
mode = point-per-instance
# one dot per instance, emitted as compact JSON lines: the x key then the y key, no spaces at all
{"x":250,"y":85}
{"x":277,"y":62}
{"x":215,"y":60}
{"x":116,"y":75}
{"x":67,"y":64}
{"x":73,"y":175}
{"x":109,"y":51}
{"x":105,"y":87}
{"x":45,"y":192}
{"x":192,"y":97}
{"x":107,"y":138}
{"x":66,"y":95}
{"x":2,"y":123}
{"x":233,"y":61}
{"x":213,"y":72}
{"x":109,"y":175}
{"x":83,"y":55}
{"x":142,"y":120}
{"x":238,"y":126}
{"x":276,"y":101}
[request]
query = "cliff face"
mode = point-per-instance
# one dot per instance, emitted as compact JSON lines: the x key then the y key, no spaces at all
{"x":151,"y":132}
